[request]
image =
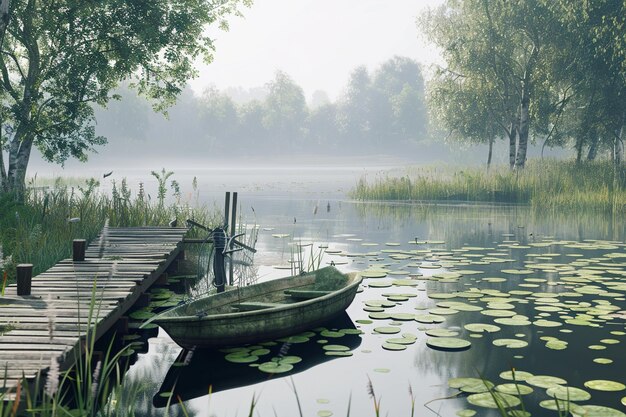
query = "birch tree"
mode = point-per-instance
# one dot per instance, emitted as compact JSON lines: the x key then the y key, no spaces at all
{"x":59,"y":58}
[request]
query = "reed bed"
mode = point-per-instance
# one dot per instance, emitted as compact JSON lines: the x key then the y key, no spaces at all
{"x":544,"y":185}
{"x":40,"y":229}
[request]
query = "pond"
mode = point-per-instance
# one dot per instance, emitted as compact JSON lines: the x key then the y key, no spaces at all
{"x":450,"y":292}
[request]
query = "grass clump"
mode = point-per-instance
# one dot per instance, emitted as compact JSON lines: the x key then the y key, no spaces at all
{"x":39,"y":228}
{"x":543,"y":184}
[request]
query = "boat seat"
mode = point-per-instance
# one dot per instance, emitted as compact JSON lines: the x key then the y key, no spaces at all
{"x":306,"y":294}
{"x":254,"y":305}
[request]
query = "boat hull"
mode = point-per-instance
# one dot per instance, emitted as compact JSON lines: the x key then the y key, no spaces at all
{"x":209,"y":331}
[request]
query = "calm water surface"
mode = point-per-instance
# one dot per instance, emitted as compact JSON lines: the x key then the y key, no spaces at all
{"x":410,"y":241}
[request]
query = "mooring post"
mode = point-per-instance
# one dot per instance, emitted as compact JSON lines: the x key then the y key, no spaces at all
{"x":24,"y":278}
{"x":219,"y":242}
{"x":226,"y":208}
{"x":233,"y":232}
{"x":78,"y":249}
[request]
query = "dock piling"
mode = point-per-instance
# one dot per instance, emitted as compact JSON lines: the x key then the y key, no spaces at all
{"x":78,"y":250}
{"x":24,"y":278}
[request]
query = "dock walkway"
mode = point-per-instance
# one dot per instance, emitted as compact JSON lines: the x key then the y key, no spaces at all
{"x":49,"y":324}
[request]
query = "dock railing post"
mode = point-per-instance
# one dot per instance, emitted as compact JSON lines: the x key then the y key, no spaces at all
{"x":232,"y":232}
{"x":78,"y":249}
{"x":24,"y":278}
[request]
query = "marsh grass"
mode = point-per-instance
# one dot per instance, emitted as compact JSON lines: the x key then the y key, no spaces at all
{"x":544,"y":184}
{"x":92,"y":387}
{"x":40,"y":229}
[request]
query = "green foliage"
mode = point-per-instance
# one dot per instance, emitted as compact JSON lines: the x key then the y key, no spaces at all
{"x":554,"y":185}
{"x":57,"y":62}
{"x":40,"y":229}
{"x":546,"y":70}
{"x":390,"y":111}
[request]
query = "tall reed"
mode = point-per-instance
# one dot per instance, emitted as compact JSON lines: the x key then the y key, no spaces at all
{"x":40,"y":229}
{"x":544,"y":184}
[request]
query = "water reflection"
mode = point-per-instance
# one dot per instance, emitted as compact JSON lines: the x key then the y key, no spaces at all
{"x":361,"y":232}
{"x":192,"y":373}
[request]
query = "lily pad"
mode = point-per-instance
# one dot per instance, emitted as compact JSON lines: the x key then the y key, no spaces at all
{"x":441,"y":333}
{"x":560,"y":405}
{"x":387,"y":330}
{"x":238,"y":358}
{"x":605,"y":385}
{"x":510,"y":343}
{"x":393,"y":346}
{"x":514,"y":389}
{"x":459,"y":382}
{"x":482,"y":327}
{"x":545,"y":381}
{"x":288,"y":359}
{"x":599,"y":411}
{"x":493,"y":400}
{"x":401,"y":340}
{"x":568,"y":393}
{"x":448,"y":343}
{"x":336,"y":348}
{"x":402,"y":316}
{"x":429,"y":318}
{"x":515,"y":375}
{"x":275,"y":367}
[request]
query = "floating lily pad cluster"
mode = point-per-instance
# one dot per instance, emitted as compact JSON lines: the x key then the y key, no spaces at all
{"x":269,"y":357}
{"x":563,"y":290}
{"x":509,"y":395}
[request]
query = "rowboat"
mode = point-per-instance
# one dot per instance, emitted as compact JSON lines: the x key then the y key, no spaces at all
{"x":261,"y":312}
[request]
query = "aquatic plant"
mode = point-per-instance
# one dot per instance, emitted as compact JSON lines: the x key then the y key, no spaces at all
{"x":40,"y":229}
{"x":543,"y":184}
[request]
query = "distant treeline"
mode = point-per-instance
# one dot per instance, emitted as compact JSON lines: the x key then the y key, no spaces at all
{"x":379,"y":111}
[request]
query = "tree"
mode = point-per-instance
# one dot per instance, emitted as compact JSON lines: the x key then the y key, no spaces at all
{"x":219,"y":118}
{"x":400,"y":111}
{"x":497,"y":47}
{"x":597,"y":70}
{"x":356,"y":109}
{"x":58,"y":60}
{"x":285,"y":110}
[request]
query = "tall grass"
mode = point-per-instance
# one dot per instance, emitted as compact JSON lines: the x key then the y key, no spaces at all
{"x":40,"y":229}
{"x":93,"y":386}
{"x":543,"y":184}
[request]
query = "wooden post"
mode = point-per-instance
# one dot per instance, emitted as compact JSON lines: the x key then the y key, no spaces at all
{"x":220,"y":261}
{"x":226,"y":208}
{"x":78,"y":249}
{"x":24,"y":278}
{"x":232,"y":232}
{"x":162,"y":279}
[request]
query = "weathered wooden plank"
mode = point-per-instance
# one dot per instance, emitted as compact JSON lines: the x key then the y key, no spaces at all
{"x":136,"y":259}
{"x":57,"y":340}
{"x":32,"y":347}
{"x":74,"y":334}
{"x":18,"y":313}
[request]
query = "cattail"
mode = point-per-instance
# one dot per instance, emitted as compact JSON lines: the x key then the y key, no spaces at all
{"x":103,"y":238}
{"x":113,"y":269}
{"x":52,"y":381}
{"x":370,"y":389}
{"x":188,"y":357}
{"x":95,"y":379}
{"x":284,"y":349}
{"x":52,"y":315}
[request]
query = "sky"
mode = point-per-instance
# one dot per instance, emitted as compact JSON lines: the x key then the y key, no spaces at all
{"x":317,"y":42}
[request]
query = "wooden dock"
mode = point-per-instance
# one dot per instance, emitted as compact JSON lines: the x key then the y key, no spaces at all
{"x":52,"y":321}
